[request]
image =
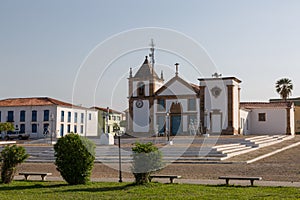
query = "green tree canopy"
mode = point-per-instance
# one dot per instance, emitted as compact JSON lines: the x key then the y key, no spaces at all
{"x":284,"y":88}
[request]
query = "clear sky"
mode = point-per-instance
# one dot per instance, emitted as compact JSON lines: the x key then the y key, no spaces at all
{"x":44,"y":44}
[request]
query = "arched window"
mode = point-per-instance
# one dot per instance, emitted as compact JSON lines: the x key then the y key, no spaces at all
{"x":141,"y":89}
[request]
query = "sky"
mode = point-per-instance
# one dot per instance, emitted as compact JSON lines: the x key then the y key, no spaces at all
{"x":80,"y":51}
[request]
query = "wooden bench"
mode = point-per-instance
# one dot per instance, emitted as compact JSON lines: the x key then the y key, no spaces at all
{"x":42,"y":174}
{"x":251,"y":179}
{"x":171,"y":177}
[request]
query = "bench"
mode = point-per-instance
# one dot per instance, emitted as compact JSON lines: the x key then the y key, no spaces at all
{"x":251,"y":179}
{"x":171,"y":177}
{"x":42,"y":174}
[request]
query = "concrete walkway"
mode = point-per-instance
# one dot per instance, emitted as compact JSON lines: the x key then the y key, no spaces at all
{"x":186,"y":181}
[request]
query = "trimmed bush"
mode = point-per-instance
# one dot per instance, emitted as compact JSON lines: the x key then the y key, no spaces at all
{"x":75,"y":157}
{"x":146,"y":160}
{"x":10,"y":157}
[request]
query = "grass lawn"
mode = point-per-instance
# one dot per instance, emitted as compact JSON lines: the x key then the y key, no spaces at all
{"x":98,"y":190}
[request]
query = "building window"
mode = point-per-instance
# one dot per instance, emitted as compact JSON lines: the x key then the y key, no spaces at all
{"x":34,"y":128}
{"x":81,"y":129}
{"x":34,"y":116}
{"x":261,"y":117}
{"x":75,"y":117}
{"x":10,"y":116}
{"x":62,"y":116}
{"x":141,"y":89}
{"x":69,"y":116}
{"x":82,"y":118}
{"x":75,"y":128}
{"x":0,"y":116}
{"x":22,"y":128}
{"x":191,"y":104}
{"x":90,"y":116}
{"x":46,"y":115}
{"x":22,"y":116}
{"x":69,"y":128}
{"x":61,"y":130}
{"x":46,"y":128}
{"x":161,"y":105}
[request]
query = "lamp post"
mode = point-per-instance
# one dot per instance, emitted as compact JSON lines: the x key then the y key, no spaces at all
{"x":119,"y":134}
{"x":167,"y":125}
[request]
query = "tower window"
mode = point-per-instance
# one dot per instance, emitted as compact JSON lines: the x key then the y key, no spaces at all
{"x":141,"y":89}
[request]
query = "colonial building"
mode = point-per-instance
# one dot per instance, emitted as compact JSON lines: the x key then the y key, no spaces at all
{"x":178,"y":107}
{"x":261,"y":118}
{"x":41,"y":116}
{"x":107,"y":119}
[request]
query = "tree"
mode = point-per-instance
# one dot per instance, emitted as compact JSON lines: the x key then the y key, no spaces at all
{"x":75,"y":157}
{"x":10,"y":157}
{"x":146,"y":160}
{"x":6,"y":126}
{"x":284,"y":88}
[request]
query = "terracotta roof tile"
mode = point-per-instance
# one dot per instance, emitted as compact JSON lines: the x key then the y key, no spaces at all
{"x":251,"y":105}
{"x":33,"y":101}
{"x":105,"y":110}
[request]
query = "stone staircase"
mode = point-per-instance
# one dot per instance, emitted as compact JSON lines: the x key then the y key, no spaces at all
{"x":250,"y":144}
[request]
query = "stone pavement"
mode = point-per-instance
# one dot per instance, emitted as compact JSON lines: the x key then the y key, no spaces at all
{"x":186,"y":181}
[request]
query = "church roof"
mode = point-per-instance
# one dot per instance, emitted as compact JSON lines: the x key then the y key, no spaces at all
{"x":192,"y":86}
{"x":146,"y":70}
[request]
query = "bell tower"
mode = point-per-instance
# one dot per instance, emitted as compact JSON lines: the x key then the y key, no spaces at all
{"x":141,"y":88}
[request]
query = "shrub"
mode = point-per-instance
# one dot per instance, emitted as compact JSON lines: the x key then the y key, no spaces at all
{"x":146,"y":160}
{"x":10,"y":157}
{"x":75,"y":157}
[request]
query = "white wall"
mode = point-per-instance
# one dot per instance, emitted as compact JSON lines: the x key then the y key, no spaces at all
{"x":244,"y":122}
{"x":216,"y":103}
{"x":28,"y":118}
{"x":141,"y":117}
{"x":89,"y":125}
{"x":275,"y":121}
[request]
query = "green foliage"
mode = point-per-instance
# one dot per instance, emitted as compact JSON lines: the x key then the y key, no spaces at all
{"x":75,"y":157}
{"x":6,"y":126}
{"x":10,"y":157}
{"x":146,"y":160}
{"x":116,"y":127}
{"x":284,"y":88}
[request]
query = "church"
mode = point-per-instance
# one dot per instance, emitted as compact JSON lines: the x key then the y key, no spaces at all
{"x":177,"y":107}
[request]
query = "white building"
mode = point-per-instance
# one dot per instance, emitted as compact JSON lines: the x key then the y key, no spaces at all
{"x":40,"y":116}
{"x":181,"y":108}
{"x":267,"y":118}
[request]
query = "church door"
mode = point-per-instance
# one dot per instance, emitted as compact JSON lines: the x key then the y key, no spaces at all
{"x":176,"y":124}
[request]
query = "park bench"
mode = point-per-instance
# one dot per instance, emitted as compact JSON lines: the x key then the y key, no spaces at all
{"x":42,"y":174}
{"x":171,"y":177}
{"x":251,"y":179}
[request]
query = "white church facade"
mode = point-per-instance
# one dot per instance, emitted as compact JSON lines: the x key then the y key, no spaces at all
{"x":181,"y":108}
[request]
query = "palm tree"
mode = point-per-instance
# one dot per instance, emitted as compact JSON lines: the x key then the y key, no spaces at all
{"x":284,"y":88}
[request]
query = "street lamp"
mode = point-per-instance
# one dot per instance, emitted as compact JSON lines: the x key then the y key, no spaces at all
{"x":119,"y":134}
{"x":167,"y":125}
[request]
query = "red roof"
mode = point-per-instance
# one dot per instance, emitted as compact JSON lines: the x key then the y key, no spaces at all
{"x":105,"y":110}
{"x":33,"y":101}
{"x":251,"y":105}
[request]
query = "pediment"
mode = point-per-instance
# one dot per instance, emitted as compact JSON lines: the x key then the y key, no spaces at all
{"x":176,"y":86}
